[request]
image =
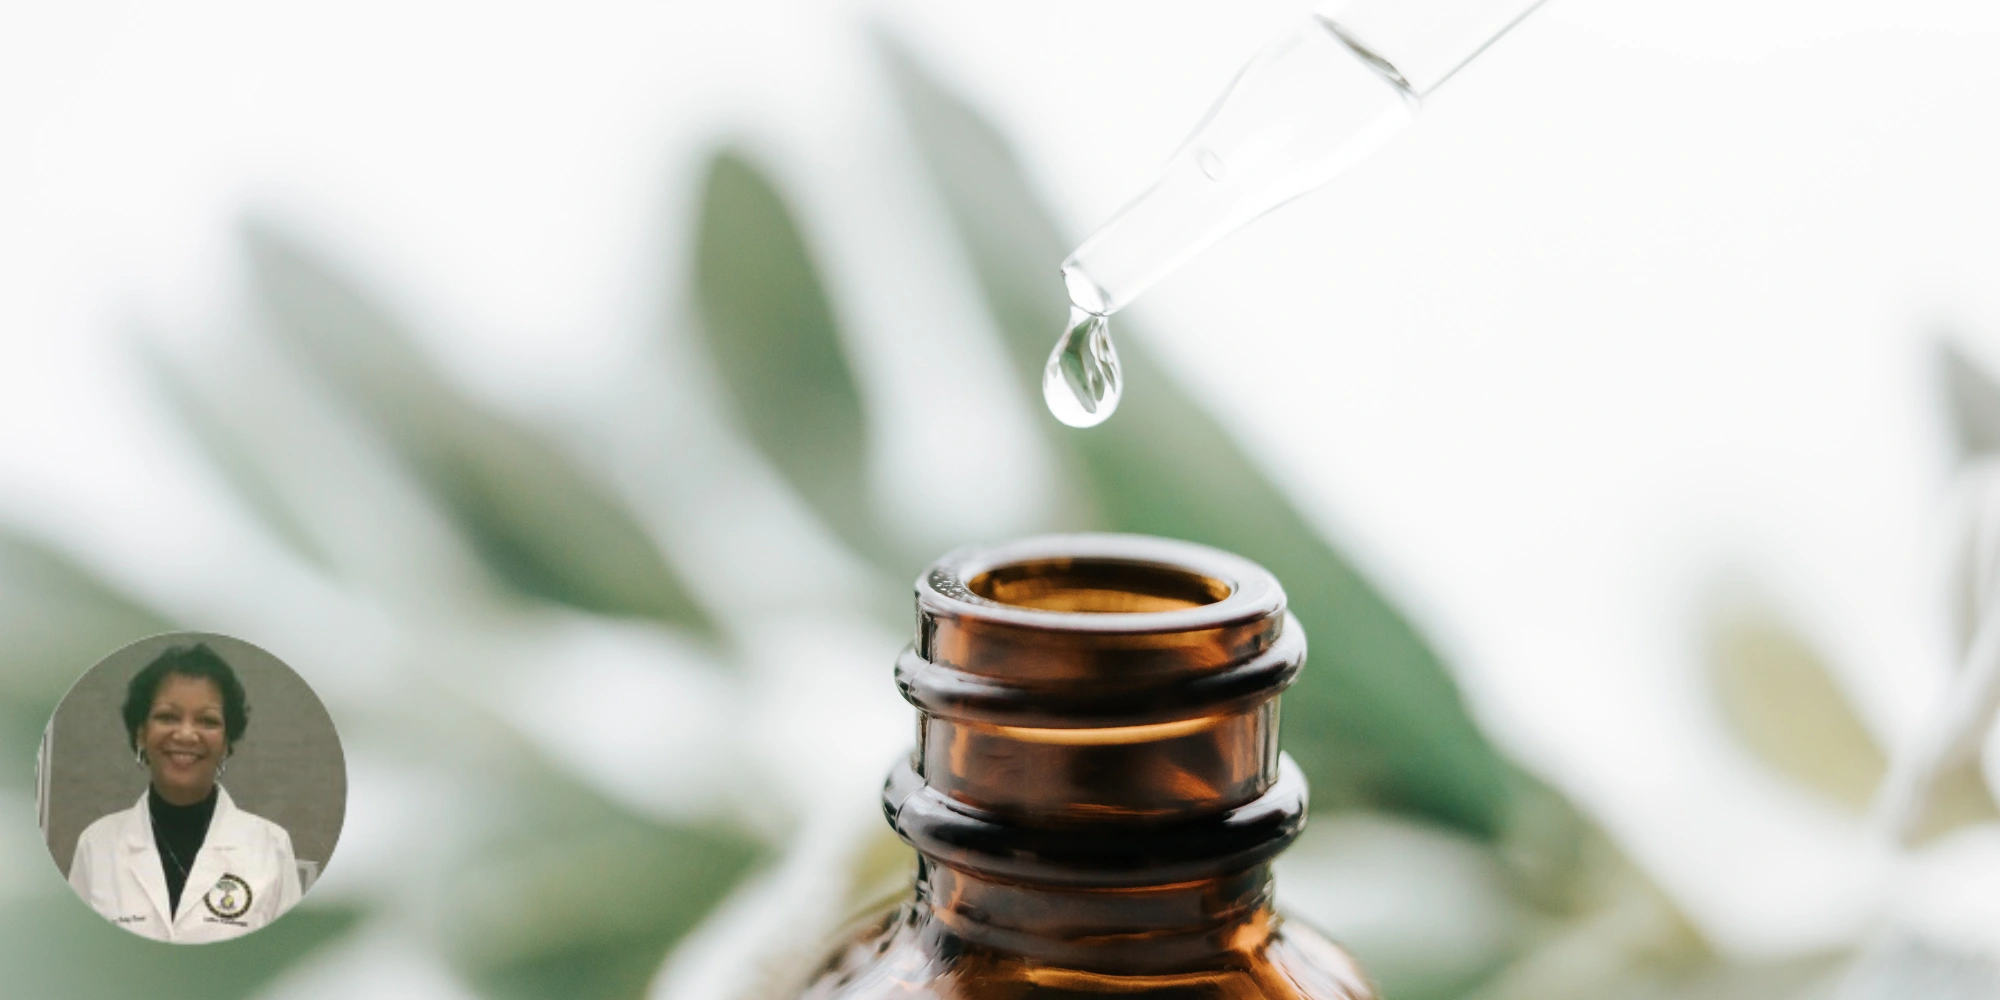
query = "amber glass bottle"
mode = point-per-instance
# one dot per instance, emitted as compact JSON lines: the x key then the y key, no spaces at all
{"x":1097,"y":793}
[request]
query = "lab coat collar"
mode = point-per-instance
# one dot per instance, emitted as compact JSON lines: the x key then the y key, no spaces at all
{"x":218,"y":849}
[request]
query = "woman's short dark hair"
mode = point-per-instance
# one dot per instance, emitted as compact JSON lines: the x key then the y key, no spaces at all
{"x":196,"y":660}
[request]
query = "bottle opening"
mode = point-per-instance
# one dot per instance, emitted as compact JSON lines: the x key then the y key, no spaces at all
{"x":1097,"y":586}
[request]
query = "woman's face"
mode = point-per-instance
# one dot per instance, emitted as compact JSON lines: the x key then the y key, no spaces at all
{"x":183,"y":738}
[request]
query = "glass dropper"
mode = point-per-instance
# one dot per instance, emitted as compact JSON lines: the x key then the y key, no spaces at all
{"x":1313,"y":102}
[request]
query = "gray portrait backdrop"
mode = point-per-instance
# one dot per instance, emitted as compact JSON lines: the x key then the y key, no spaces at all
{"x":287,"y":768}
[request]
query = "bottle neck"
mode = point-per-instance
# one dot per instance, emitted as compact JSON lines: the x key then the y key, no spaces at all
{"x":1154,"y":929}
{"x":1096,"y":783}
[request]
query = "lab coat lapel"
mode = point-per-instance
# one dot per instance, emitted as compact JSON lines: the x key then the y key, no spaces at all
{"x":217,"y":857}
{"x":141,"y":858}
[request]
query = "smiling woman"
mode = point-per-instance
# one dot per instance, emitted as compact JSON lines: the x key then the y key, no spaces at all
{"x":184,"y":862}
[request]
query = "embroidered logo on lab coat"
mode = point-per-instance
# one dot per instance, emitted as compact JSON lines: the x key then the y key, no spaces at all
{"x":229,"y":899}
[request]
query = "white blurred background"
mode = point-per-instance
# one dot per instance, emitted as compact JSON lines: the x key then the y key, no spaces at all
{"x":1643,"y":310}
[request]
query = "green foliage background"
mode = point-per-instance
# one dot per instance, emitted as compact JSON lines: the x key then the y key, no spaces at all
{"x":560,"y":890}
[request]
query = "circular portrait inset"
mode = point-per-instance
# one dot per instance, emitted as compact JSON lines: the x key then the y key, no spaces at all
{"x":192,"y":787}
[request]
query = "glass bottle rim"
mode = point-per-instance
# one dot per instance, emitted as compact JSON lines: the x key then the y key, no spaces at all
{"x":1173,"y":585}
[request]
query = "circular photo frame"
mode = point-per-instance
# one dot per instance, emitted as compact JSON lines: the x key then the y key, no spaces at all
{"x":191,"y":787}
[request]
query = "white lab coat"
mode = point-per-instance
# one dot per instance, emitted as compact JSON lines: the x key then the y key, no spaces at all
{"x":243,"y":877}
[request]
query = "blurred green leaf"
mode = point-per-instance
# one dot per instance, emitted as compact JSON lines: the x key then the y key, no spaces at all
{"x":1782,"y":979}
{"x":54,"y":946}
{"x":1972,"y":399}
{"x":1375,"y":720}
{"x":776,"y":344}
{"x":205,"y":421}
{"x":1780,"y":701}
{"x":573,"y":896}
{"x":1959,"y":796}
{"x":535,"y":519}
{"x":59,"y":619}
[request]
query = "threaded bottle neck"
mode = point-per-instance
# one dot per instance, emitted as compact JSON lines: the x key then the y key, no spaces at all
{"x":1097,"y":758}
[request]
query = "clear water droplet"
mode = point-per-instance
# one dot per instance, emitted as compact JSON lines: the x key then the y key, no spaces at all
{"x":1082,"y":381}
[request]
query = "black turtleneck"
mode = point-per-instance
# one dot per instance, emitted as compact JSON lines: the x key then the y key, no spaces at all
{"x":178,"y":832}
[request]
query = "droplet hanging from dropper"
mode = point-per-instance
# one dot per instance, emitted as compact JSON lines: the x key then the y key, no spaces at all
{"x":1082,"y":381}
